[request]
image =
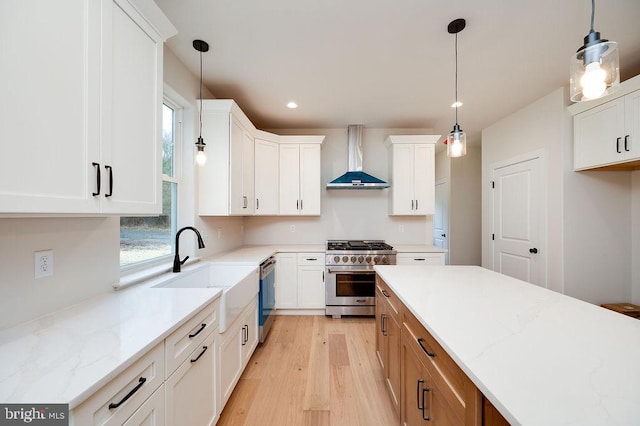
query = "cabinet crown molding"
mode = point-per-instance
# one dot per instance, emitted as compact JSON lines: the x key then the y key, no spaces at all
{"x":394,"y":139}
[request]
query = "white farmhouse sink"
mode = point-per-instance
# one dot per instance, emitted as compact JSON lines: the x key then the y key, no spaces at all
{"x":239,"y":284}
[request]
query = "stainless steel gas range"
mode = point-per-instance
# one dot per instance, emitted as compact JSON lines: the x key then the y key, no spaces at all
{"x":349,"y":279}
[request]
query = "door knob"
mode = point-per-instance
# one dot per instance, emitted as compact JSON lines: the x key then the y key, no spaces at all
{"x":533,"y":250}
{"x":443,"y":235}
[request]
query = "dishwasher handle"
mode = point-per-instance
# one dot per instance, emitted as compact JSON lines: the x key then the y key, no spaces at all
{"x":267,"y":266}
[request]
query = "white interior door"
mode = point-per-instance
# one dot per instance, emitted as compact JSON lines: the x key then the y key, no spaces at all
{"x":441,"y":217}
{"x":516,"y":220}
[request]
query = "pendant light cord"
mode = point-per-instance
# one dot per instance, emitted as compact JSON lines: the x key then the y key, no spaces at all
{"x":593,"y":12}
{"x":457,"y":79}
{"x":200,"y":94}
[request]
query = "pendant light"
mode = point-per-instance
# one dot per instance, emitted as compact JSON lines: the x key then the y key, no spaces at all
{"x":457,"y":139}
{"x":595,"y":71}
{"x":201,"y":157}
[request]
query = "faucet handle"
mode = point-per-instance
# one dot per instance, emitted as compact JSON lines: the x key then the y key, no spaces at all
{"x":184,"y":260}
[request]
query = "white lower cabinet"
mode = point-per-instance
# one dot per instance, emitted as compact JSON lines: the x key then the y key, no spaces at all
{"x":236,"y":347}
{"x":420,"y":259}
{"x":119,"y":399}
{"x":175,"y":383}
{"x":300,"y":281}
{"x":151,"y":413}
{"x":190,"y":390}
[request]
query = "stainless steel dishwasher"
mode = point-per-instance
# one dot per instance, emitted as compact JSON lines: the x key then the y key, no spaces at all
{"x":267,"y":297}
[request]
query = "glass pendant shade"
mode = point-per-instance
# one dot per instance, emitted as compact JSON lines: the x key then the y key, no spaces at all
{"x":595,"y":69}
{"x":457,"y":142}
{"x":201,"y":157}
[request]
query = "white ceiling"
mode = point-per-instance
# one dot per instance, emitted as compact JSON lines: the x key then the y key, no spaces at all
{"x":390,"y":63}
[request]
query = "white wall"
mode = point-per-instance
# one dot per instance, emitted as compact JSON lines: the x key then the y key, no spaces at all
{"x":465,"y":205}
{"x":635,"y":237}
{"x":588,"y":218}
{"x":346,"y":214}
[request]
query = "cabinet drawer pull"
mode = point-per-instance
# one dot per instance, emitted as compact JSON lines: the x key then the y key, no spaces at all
{"x":385,"y":293}
{"x":421,"y":259}
{"x":626,"y":143}
{"x":204,"y":349}
{"x":618,"y":146}
{"x":430,"y":354}
{"x":129,"y":395}
{"x":97,"y":166}
{"x":110,"y":181}
{"x":312,"y":258}
{"x":202,"y":326}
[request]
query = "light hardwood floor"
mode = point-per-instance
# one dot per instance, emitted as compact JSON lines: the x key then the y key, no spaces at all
{"x":313,"y":370}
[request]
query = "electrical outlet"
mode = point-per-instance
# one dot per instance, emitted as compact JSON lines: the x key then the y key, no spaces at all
{"x":292,"y":228}
{"x":43,"y":263}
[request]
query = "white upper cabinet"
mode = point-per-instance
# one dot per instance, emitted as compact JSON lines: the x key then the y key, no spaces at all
{"x":606,"y":132}
{"x":90,"y":107}
{"x":226,"y":180}
{"x":267,"y":200}
{"x":300,"y":175}
{"x":412,"y":171}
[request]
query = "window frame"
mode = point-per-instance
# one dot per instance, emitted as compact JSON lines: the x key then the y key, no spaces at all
{"x":178,"y":126}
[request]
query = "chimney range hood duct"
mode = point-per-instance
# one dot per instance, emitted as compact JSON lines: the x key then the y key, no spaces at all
{"x":355,"y":178}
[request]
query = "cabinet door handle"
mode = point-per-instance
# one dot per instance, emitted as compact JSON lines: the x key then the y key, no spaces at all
{"x":297,"y":204}
{"x":97,"y":166}
{"x":257,"y":204}
{"x":202,"y":326}
{"x":411,"y":204}
{"x":301,"y":208}
{"x":204,"y":349}
{"x":626,"y":143}
{"x":129,"y":395}
{"x":244,"y":201}
{"x":416,"y":204}
{"x":110,"y":180}
{"x":385,"y":293}
{"x":618,"y":146}
{"x":430,"y":354}
{"x":383,"y":324}
{"x":424,"y":404}
{"x":420,"y":381}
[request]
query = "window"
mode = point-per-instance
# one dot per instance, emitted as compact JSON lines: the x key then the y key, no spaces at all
{"x":144,"y":239}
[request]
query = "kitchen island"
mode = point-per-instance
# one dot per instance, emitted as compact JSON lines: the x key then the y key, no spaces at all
{"x":538,"y":356}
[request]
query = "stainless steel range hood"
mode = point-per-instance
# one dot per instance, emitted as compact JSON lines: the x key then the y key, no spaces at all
{"x":355,"y":178}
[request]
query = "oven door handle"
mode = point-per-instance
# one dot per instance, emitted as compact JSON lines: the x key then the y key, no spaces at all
{"x":351,"y":271}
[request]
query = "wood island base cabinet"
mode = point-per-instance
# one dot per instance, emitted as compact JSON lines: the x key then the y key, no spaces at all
{"x":433,"y":390}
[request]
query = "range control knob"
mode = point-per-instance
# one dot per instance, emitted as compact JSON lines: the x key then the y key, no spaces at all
{"x":360,"y":259}
{"x":345,"y":259}
{"x":368,"y":259}
{"x":353,"y":259}
{"x":385,"y":260}
{"x":336,"y":259}
{"x":376,"y":259}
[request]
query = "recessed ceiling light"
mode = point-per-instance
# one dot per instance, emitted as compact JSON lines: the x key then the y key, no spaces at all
{"x":456,"y":104}
{"x":292,"y":105}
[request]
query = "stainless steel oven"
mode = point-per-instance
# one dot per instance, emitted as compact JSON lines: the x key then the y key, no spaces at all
{"x":350,"y":282}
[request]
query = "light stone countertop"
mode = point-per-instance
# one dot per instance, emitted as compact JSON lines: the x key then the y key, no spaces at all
{"x":540,"y":357}
{"x":66,"y":356}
